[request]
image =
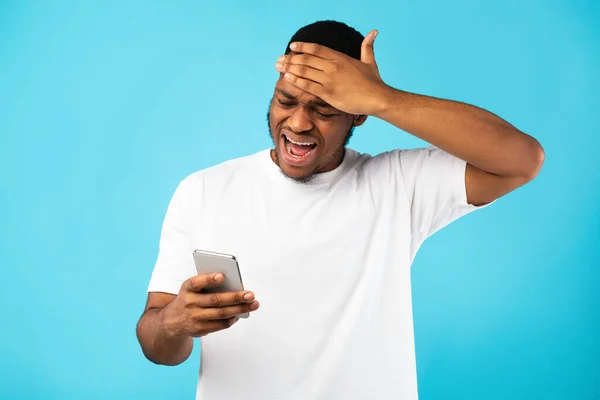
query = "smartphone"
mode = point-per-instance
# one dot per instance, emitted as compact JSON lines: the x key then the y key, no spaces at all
{"x":208,"y":262}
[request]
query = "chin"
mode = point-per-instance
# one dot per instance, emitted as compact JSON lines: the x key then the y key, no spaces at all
{"x":294,"y":171}
{"x":301,"y":174}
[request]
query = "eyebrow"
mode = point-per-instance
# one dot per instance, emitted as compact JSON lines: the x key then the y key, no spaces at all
{"x":317,"y":102}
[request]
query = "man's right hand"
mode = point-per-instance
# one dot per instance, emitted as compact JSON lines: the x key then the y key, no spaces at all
{"x":195,"y":314}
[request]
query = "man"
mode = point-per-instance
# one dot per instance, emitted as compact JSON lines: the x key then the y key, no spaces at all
{"x":324,"y":235}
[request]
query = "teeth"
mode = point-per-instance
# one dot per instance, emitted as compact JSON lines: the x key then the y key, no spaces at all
{"x":289,"y":150}
{"x":299,"y":143}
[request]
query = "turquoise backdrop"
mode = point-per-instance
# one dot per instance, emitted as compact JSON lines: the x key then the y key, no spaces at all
{"x":106,"y":105}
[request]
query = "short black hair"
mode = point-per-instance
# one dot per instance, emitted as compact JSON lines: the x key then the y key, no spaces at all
{"x":333,"y":34}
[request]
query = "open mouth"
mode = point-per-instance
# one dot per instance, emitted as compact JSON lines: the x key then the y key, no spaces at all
{"x":298,"y":150}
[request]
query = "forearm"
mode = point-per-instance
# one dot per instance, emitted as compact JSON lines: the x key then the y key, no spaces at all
{"x":470,"y":133}
{"x":158,"y":344}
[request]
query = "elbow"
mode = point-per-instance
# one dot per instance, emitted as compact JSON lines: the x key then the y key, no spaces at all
{"x":536,"y":157}
{"x":156,"y":348}
{"x":166,"y":362}
{"x":164,"y":358}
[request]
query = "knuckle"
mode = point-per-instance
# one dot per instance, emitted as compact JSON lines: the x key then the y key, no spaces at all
{"x":221,"y":313}
{"x":188,"y":300}
{"x":213,"y":299}
{"x":304,"y":58}
{"x":305,"y":84}
{"x":302,"y":69}
{"x":315,"y":48}
{"x":197,"y":316}
{"x":190,"y":284}
{"x":238,"y":298}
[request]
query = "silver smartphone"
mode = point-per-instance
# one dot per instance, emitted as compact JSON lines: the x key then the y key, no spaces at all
{"x":208,"y":262}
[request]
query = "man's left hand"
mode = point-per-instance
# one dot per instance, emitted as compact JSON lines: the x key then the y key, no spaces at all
{"x":350,"y":85}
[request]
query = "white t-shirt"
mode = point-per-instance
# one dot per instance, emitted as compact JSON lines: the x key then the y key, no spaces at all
{"x":329,"y":262}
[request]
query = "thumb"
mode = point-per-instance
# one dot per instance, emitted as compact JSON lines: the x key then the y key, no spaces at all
{"x":367,"y":52}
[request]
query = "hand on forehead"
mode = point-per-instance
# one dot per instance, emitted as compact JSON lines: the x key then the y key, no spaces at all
{"x":347,"y":84}
{"x":305,"y":54}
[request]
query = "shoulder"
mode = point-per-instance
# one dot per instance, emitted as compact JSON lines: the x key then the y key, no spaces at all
{"x":405,"y":159}
{"x":404,"y":167}
{"x":391,"y":160}
{"x":231,"y":167}
{"x":220,"y":175}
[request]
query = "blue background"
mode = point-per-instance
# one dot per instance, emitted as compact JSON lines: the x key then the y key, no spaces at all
{"x":106,"y":105}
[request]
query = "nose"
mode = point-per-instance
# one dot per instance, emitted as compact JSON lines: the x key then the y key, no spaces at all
{"x":299,"y":120}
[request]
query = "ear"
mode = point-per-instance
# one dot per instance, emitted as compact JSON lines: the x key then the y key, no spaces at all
{"x":359,"y":120}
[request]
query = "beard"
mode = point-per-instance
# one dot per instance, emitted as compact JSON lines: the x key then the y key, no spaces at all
{"x":303,"y":179}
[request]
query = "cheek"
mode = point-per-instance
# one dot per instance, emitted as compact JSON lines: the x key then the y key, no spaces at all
{"x":334,"y":134}
{"x":275,"y":117}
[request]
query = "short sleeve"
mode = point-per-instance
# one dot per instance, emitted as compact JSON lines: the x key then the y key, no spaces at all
{"x":175,"y":263}
{"x":436,"y":190}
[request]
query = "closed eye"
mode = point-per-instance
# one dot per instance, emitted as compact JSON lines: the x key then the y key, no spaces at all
{"x":285,"y":104}
{"x":289,"y":104}
{"x":322,"y":115}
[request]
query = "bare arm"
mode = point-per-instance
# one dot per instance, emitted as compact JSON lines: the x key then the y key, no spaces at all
{"x":160,"y":344}
{"x":500,"y":157}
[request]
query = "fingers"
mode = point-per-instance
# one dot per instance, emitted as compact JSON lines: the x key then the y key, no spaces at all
{"x":316,"y":50}
{"x":223,"y":299}
{"x":215,"y":325}
{"x":316,"y":55}
{"x":302,"y":71}
{"x":305,"y":71}
{"x":203,"y":313}
{"x":305,"y":84}
{"x":199,"y":282}
{"x":307,"y":60}
{"x":209,"y":314}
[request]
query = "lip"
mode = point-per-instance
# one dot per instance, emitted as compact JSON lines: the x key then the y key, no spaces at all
{"x":295,"y":162}
{"x":292,"y":136}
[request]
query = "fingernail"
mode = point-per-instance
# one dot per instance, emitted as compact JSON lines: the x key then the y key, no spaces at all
{"x":218,"y":277}
{"x":278,"y":65}
{"x":281,"y":58}
{"x":248,"y":296}
{"x":293,"y":46}
{"x":254,"y":305}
